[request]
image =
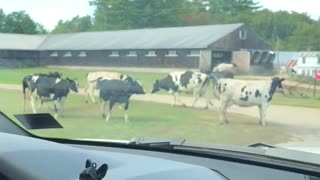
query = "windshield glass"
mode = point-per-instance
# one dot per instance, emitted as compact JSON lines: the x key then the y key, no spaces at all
{"x":220,"y":72}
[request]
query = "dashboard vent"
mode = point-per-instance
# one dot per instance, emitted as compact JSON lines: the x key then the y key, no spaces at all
{"x":312,"y":178}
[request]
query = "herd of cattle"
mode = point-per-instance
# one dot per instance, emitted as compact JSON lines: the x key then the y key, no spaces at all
{"x":117,"y":88}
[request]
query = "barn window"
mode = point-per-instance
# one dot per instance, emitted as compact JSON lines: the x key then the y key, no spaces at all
{"x":67,"y":54}
{"x":82,"y":54}
{"x":243,"y":34}
{"x":114,"y":53}
{"x":132,"y":53}
{"x":172,"y":53}
{"x":54,"y":54}
{"x":217,"y":54}
{"x":151,"y":53}
{"x":194,"y":53}
{"x":303,"y":72}
{"x":303,"y":60}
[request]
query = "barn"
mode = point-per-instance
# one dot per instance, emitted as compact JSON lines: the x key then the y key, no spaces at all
{"x":173,"y":47}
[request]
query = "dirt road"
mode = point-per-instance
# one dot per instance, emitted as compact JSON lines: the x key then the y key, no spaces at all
{"x":302,"y":123}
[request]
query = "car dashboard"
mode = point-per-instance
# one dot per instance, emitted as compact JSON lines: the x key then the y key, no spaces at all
{"x":31,"y":158}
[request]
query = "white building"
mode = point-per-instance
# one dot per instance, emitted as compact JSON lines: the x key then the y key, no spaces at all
{"x":308,"y":63}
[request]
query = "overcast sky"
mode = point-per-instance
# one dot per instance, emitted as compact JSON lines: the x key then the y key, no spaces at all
{"x":49,"y":12}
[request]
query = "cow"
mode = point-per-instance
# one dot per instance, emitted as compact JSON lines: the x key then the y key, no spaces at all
{"x":184,"y":81}
{"x":224,"y":67}
{"x":33,"y":77}
{"x":246,"y":94}
{"x":26,"y":80}
{"x":92,"y":81}
{"x":48,"y":89}
{"x":117,"y":91}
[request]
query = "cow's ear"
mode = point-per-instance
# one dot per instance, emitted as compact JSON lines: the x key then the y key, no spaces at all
{"x":102,"y":171}
{"x":282,"y":79}
{"x":88,"y":163}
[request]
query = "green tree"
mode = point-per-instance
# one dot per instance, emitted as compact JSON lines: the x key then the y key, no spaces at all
{"x":305,"y":37}
{"x":20,"y":22}
{"x":2,"y":20}
{"x":76,"y":24}
{"x":128,"y":14}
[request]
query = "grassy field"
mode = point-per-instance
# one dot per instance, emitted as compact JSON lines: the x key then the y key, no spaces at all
{"x":149,"y":120}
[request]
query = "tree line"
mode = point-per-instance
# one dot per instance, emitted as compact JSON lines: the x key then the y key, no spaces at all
{"x":290,"y":31}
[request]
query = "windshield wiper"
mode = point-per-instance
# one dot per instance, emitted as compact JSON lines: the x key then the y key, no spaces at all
{"x":262,"y":145}
{"x":168,"y":143}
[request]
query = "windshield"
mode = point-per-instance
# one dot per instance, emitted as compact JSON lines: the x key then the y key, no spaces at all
{"x":220,"y":72}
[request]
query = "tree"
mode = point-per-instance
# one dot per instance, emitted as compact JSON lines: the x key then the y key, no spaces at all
{"x":128,"y":14}
{"x":76,"y":24}
{"x":20,"y":22}
{"x":2,"y":20}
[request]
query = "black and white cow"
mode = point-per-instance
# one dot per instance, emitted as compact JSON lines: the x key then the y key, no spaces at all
{"x":246,"y":94}
{"x":92,"y":78}
{"x":186,"y":82}
{"x":29,"y":78}
{"x":117,"y":91}
{"x":53,"y":89}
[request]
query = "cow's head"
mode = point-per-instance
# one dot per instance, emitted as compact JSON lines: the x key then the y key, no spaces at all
{"x":276,"y":84}
{"x":73,"y":85}
{"x":156,"y":87}
{"x":55,"y":74}
{"x":91,"y":173}
{"x":137,"y":87}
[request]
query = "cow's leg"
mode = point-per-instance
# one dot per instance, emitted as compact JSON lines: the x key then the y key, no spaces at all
{"x":91,"y":90}
{"x":33,"y":102}
{"x":177,"y":99}
{"x":40,"y":105}
{"x":174,"y":100}
{"x":263,"y":111}
{"x":222,"y":111}
{"x":103,"y":108}
{"x":61,"y":110}
{"x":126,"y":107}
{"x":196,"y":96}
{"x":111,"y":103}
{"x":56,"y":107}
{"x":86,"y":94}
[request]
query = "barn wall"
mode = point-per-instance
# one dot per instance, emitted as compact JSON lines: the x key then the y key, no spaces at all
{"x":232,"y":42}
{"x":19,"y":58}
{"x":102,"y":58}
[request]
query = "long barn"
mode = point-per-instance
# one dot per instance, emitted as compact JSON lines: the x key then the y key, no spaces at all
{"x":174,"y":47}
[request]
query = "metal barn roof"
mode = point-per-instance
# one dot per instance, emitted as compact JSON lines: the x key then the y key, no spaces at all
{"x":189,"y":37}
{"x":158,"y":38}
{"x":20,"y":41}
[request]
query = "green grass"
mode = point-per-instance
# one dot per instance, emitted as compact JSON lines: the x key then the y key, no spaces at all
{"x":149,"y":120}
{"x":300,"y":102}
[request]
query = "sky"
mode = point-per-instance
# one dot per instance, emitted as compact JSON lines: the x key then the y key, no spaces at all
{"x":49,"y":12}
